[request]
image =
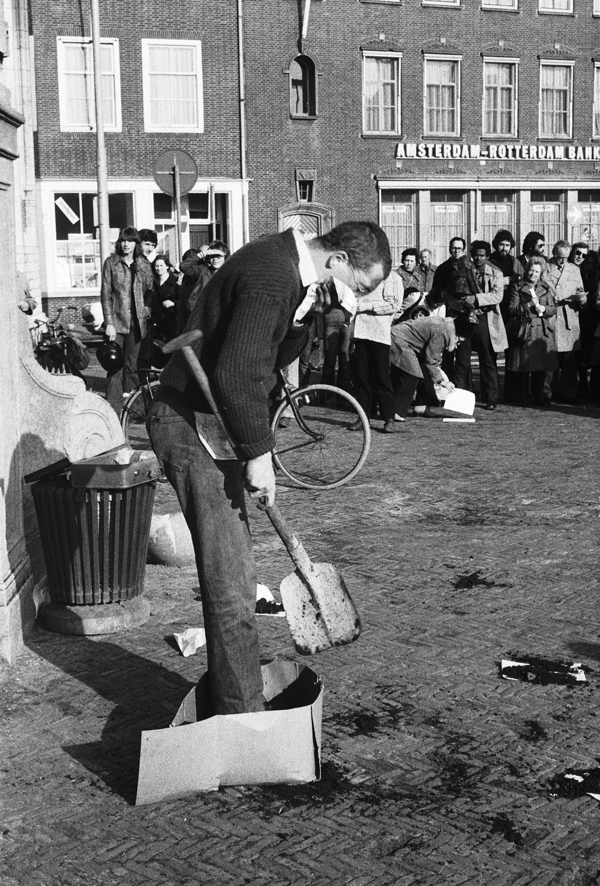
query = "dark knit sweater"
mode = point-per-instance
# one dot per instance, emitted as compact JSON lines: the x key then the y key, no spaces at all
{"x":245,"y":314}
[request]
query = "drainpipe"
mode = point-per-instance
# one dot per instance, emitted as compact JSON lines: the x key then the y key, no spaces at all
{"x":101,"y":164}
{"x":242,"y":89}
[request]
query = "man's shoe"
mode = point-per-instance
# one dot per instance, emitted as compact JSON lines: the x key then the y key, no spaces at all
{"x":490,"y":406}
{"x":390,"y":426}
{"x":285,"y":422}
{"x":355,"y":426}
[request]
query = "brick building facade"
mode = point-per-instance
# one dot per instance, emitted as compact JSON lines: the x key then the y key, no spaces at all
{"x":170,"y":79}
{"x":434,"y":117}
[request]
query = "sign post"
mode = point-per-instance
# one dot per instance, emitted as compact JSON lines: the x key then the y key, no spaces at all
{"x":175,"y":173}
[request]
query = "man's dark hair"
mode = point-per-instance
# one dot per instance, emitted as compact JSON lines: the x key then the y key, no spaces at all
{"x":480,"y":244}
{"x":131,"y":234}
{"x":462,"y":240}
{"x":410,"y":251}
{"x":501,"y":236}
{"x":365,"y":243}
{"x":148,"y":235}
{"x":220,"y":246}
{"x":531,"y":240}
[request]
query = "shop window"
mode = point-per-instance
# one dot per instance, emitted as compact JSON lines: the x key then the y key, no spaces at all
{"x":556,"y":100}
{"x":442,"y":96}
{"x":447,"y":221}
{"x":398,"y":221}
{"x":381,"y":93}
{"x":172,"y":77}
{"x":557,"y":6}
{"x":588,"y":230}
{"x":499,"y":4}
{"x":547,"y":216}
{"x":596,"y":110}
{"x":497,"y":212}
{"x":303,"y":87}
{"x":77,"y":105}
{"x":499,"y":98}
{"x":77,"y":240}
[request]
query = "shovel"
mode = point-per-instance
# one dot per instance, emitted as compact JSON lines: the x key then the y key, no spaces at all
{"x":318,"y":607}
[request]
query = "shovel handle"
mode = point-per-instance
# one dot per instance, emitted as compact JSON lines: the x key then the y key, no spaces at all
{"x":294,"y":547}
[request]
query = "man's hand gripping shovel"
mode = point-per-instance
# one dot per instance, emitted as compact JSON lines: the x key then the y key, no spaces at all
{"x":318,"y":607}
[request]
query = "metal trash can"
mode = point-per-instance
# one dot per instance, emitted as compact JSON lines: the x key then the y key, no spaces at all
{"x":94,"y":521}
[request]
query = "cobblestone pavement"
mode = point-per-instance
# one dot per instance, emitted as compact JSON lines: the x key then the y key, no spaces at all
{"x":462,"y":545}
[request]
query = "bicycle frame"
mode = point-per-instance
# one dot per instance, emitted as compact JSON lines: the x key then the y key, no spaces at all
{"x":288,"y":390}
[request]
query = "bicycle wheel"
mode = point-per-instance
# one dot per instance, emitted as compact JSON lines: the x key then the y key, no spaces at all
{"x":133,"y":415}
{"x":316,"y":450}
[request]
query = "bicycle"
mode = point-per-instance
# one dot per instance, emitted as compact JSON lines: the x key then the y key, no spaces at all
{"x":58,"y":350}
{"x":312,"y":446}
{"x":135,"y":410}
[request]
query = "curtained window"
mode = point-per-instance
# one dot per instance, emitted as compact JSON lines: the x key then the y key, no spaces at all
{"x":172,"y":71}
{"x":555,"y":100}
{"x":499,"y":98}
{"x":76,"y":85}
{"x":381,"y":94}
{"x":442,"y":91}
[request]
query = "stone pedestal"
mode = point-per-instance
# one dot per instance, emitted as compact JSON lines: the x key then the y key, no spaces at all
{"x":44,"y":418}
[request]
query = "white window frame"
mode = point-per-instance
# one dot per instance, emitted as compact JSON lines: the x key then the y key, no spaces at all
{"x":596,"y":9}
{"x":457,"y":59}
{"x":499,"y":5}
{"x":440,"y":2}
{"x":514,"y":62}
{"x":545,"y":63}
{"x":546,"y":7}
{"x":65,"y":124}
{"x":149,"y":125}
{"x":596,"y":102}
{"x":397,"y":57}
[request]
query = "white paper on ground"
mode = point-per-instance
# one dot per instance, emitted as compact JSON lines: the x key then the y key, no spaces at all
{"x":190,"y":640}
{"x":467,"y":421}
{"x":575,"y":670}
{"x":460,"y":401}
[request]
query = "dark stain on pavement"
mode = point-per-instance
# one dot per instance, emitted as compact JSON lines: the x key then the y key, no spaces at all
{"x":502,"y":824}
{"x":533,"y":731}
{"x":472,"y":580}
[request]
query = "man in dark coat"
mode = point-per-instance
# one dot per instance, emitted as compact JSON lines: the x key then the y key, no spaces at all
{"x":246,"y":317}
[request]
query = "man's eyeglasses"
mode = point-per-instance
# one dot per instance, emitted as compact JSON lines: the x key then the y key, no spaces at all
{"x":579,"y":252}
{"x":358,"y":287}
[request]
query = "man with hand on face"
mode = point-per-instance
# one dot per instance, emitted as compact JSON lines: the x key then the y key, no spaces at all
{"x":246,"y":317}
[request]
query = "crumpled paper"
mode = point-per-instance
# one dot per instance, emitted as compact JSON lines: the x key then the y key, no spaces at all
{"x":190,"y":640}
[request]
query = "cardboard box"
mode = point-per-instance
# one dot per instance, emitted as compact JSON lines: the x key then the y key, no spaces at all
{"x":279,"y":746}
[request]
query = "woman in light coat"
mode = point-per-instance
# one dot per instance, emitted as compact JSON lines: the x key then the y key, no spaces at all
{"x":534,"y":300}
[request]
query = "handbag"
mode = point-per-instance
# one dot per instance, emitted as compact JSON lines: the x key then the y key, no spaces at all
{"x":518,"y":330}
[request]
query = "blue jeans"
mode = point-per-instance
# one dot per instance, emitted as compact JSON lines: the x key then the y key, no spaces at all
{"x":212,"y":498}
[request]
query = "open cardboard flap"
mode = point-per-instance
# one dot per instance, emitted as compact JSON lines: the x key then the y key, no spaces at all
{"x":279,"y":746}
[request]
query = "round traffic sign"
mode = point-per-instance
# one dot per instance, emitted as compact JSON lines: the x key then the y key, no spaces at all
{"x":574,"y":214}
{"x":164,"y":171}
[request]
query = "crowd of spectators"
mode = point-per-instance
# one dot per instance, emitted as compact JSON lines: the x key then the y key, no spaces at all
{"x":541,"y":313}
{"x":403,"y":347}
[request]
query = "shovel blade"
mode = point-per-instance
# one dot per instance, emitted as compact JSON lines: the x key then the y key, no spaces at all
{"x":319,"y":609}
